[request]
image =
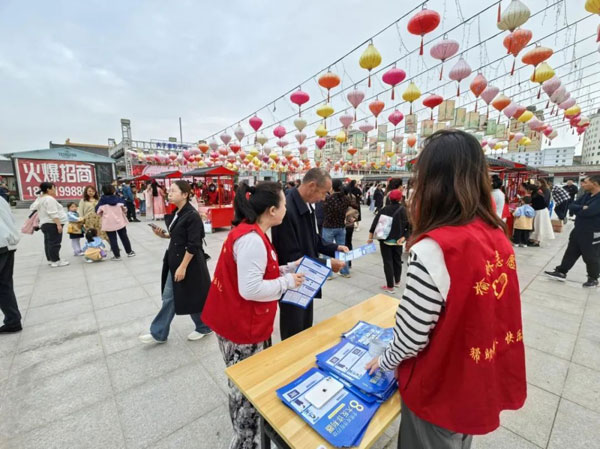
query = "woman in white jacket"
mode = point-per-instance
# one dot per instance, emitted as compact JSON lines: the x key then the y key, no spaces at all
{"x":52,"y":218}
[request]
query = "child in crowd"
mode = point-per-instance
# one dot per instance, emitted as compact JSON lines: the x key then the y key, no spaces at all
{"x":94,"y":248}
{"x":523,"y":224}
{"x":75,"y":229}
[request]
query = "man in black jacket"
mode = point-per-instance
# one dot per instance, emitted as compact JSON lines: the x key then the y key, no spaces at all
{"x":296,"y":237}
{"x":584,"y":240}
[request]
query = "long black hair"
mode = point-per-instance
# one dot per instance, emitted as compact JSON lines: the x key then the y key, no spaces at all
{"x":108,"y":189}
{"x":185,"y":187}
{"x":45,"y":186}
{"x":154,"y":188}
{"x":251,"y":202}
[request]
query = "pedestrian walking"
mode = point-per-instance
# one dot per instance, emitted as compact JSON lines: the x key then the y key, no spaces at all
{"x":9,"y":238}
{"x":129,"y":198}
{"x":458,"y":345}
{"x":335,"y":208}
{"x":52,"y":218}
{"x":111,"y":209}
{"x":242,"y":301}
{"x":498,"y":195}
{"x":378,"y":197}
{"x":542,"y":226}
{"x":185,"y":279}
{"x":155,"y":199}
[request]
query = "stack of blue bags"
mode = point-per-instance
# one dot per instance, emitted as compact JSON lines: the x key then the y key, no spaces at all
{"x":342,"y":417}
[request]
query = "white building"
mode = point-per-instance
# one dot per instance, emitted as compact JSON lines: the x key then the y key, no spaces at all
{"x":549,"y":157}
{"x":590,"y":152}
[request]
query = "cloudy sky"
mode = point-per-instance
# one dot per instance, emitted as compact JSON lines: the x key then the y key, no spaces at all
{"x":72,"y":69}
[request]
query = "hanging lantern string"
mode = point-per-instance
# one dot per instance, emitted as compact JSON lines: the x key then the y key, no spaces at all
{"x":340,"y":92}
{"x":474,"y":70}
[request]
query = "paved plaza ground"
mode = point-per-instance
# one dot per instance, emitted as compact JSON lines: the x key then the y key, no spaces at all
{"x":77,"y":376}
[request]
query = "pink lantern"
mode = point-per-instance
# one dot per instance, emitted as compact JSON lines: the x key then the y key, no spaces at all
{"x":282,"y":143}
{"x":567,"y":103}
{"x":279,"y":131}
{"x":346,"y":120}
{"x":299,"y":97}
{"x":320,"y":142}
{"x":186,"y":154}
{"x":366,"y":127}
{"x":488,"y":95}
{"x":398,"y":139}
{"x":355,"y":97}
{"x":302,"y":149}
{"x":519,"y":111}
{"x":510,"y":110}
{"x":459,"y":72}
{"x":548,"y":130}
{"x":225,"y":138}
{"x":535,"y":124}
{"x":396,"y":117}
{"x":300,"y":137}
{"x":559,"y":95}
{"x":239,"y":133}
{"x":519,"y":136}
{"x":442,"y":50}
{"x":255,"y":122}
{"x":223,"y":151}
{"x":484,"y":143}
{"x":551,"y":85}
{"x":213,"y":145}
{"x":393,"y":77}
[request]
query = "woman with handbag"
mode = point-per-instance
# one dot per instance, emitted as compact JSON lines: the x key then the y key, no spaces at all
{"x":185,"y":276}
{"x":335,"y":207}
{"x":87,"y":211}
{"x":390,"y":227}
{"x":52,"y":218}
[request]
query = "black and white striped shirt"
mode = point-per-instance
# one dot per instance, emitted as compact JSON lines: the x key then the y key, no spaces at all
{"x":422,"y":303}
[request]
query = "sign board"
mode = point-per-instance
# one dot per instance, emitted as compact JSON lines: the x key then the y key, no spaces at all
{"x":410,"y":124}
{"x":460,"y":115}
{"x":446,"y":111}
{"x":70,"y":177}
{"x":490,"y":129}
{"x":473,"y":120}
{"x":382,"y":133}
{"x":426,"y":128}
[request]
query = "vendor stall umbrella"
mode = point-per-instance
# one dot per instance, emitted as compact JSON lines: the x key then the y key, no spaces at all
{"x":328,"y":81}
{"x":432,"y":101}
{"x":515,"y":42}
{"x":477,"y":86}
{"x":515,"y":15}
{"x":393,"y":77}
{"x":376,"y":106}
{"x":423,"y":22}
{"x":370,"y":59}
{"x":444,"y":49}
{"x":299,"y":98}
{"x":459,"y":72}
{"x":355,"y":98}
{"x":411,"y":94}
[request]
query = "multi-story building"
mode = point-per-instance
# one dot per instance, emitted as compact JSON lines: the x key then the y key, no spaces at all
{"x":548,"y":157}
{"x":590,"y":152}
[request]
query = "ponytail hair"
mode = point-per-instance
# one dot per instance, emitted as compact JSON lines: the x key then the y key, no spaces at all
{"x":252,"y":201}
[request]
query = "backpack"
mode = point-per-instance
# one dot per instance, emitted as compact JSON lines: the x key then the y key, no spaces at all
{"x":384,"y":226}
{"x":32,"y":223}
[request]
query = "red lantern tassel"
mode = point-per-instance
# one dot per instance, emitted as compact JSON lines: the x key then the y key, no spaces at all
{"x":539,"y":92}
{"x":393,"y":96}
{"x":487,"y":114}
{"x":421,"y":49}
{"x":547,"y":104}
{"x":458,"y":91}
{"x":431,"y":114}
{"x":369,"y":78}
{"x":512,"y":71}
{"x":475,"y":104}
{"x":499,"y":11}
{"x":441,"y":71}
{"x":411,"y":107}
{"x":598,"y":37}
{"x":355,"y":115}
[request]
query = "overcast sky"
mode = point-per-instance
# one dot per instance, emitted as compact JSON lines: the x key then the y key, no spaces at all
{"x":72,"y":69}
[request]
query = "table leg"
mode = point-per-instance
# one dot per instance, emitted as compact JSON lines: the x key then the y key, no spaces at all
{"x":268,"y":435}
{"x":265,"y":441}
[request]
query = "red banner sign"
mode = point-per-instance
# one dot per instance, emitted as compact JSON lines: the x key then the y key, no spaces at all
{"x":70,"y":177}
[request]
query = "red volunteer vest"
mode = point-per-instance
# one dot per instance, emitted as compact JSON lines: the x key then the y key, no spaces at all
{"x":474,"y":365}
{"x":226,"y":311}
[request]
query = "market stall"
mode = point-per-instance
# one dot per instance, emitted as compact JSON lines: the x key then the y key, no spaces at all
{"x":215,"y":202}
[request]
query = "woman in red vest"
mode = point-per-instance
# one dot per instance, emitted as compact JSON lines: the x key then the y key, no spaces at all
{"x":242,"y":301}
{"x":458,"y":339}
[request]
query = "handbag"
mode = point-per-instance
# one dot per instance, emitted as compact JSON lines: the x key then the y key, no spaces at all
{"x":384,"y":226}
{"x":32,"y":223}
{"x":93,"y":254}
{"x":351,"y":216}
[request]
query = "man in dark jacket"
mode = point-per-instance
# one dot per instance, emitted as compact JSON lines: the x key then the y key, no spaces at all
{"x":296,"y":237}
{"x":129,"y":202}
{"x":584,"y":240}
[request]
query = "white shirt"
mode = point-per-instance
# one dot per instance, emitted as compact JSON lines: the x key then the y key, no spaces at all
{"x":9,"y":234}
{"x":251,"y":256}
{"x":48,"y":209}
{"x":499,"y":200}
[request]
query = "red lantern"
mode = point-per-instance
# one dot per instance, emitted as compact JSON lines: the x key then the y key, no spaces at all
{"x":329,"y":80}
{"x":515,"y":42}
{"x":299,"y":97}
{"x":393,"y":77}
{"x":376,"y":106}
{"x":432,"y":101}
{"x":423,"y":22}
{"x":536,"y":56}
{"x":477,"y":86}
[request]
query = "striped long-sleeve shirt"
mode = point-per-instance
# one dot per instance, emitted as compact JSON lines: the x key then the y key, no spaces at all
{"x":422,"y":303}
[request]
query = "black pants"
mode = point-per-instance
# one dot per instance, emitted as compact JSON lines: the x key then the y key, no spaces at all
{"x":8,"y":300}
{"x":52,"y":239}
{"x":561,"y":210}
{"x":130,"y":210}
{"x":392,"y":263}
{"x":521,"y":236}
{"x":114,"y":245}
{"x":294,"y":319}
{"x":585,"y":245}
{"x":348,"y":242}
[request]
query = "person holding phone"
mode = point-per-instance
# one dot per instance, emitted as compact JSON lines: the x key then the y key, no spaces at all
{"x":247,"y":284}
{"x":185,"y":276}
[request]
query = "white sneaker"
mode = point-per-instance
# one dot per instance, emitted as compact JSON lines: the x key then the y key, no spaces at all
{"x":88,"y":260}
{"x":60,"y":263}
{"x":195,"y":336}
{"x":148,"y":338}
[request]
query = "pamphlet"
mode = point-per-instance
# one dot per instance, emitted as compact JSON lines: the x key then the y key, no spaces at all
{"x":315,"y":276}
{"x":356,"y":252}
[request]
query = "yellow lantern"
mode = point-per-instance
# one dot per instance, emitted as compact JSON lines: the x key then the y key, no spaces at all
{"x":325,"y":110}
{"x":273,"y":155}
{"x":253,"y":152}
{"x":525,"y":116}
{"x":498,"y":146}
{"x":524,"y":141}
{"x":543,"y":72}
{"x":256,"y":162}
{"x":389,"y":153}
{"x":572,"y":111}
{"x":412,"y":93}
{"x":592,"y":6}
{"x":370,"y":59}
{"x":321,"y":131}
{"x":341,"y":137}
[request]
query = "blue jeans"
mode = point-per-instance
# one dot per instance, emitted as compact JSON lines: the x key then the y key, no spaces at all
{"x":142,"y":206}
{"x":162,"y":323}
{"x":338,"y":236}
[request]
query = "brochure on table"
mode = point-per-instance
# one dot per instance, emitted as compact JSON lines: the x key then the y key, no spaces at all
{"x":356,"y":252}
{"x":363,"y":334}
{"x":315,"y":276}
{"x":342,"y":420}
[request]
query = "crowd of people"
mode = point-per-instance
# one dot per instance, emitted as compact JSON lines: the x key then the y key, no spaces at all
{"x":451,"y":212}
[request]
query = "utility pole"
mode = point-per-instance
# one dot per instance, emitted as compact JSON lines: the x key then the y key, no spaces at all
{"x":180,"y":131}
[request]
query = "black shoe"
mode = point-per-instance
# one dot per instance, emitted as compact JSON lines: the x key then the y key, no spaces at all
{"x":14,"y":328}
{"x":556,"y":275}
{"x":136,"y":221}
{"x":533,"y":245}
{"x":591,"y":283}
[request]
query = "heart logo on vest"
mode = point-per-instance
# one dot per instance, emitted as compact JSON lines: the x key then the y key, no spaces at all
{"x":499,"y":285}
